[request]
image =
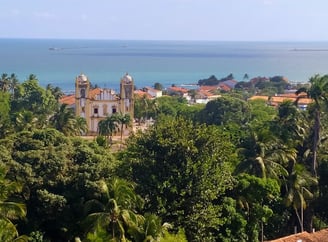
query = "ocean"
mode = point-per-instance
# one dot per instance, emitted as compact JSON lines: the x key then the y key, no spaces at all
{"x":58,"y":62}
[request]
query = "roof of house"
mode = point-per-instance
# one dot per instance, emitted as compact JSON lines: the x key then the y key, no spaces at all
{"x":265,"y":98}
{"x":205,"y":93}
{"x":225,"y":87}
{"x":69,"y":99}
{"x":275,"y":100}
{"x":209,"y":88}
{"x":141,"y":94}
{"x":320,"y":236}
{"x":178,"y":89}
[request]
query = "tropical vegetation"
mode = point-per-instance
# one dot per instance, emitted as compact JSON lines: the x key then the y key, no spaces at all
{"x":228,"y":170}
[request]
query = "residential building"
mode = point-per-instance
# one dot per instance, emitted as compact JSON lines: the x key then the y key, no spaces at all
{"x":302,"y":100}
{"x":153,"y":92}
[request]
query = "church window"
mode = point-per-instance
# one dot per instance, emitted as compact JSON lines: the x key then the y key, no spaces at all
{"x":113,"y":109}
{"x":82,"y":93}
{"x":95,"y":110}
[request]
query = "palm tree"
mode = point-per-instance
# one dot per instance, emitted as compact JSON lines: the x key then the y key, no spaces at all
{"x":123,"y":120}
{"x":107,"y":126}
{"x":14,"y":83}
{"x":9,"y":211}
{"x":32,"y":77}
{"x":246,"y":77}
{"x":290,"y":125}
{"x":25,"y":120}
{"x":81,"y":126}
{"x":56,"y":91}
{"x":117,"y":213}
{"x":263,"y":155}
{"x":64,"y":120}
{"x":297,"y":191}
{"x":318,"y":91}
{"x":4,"y":82}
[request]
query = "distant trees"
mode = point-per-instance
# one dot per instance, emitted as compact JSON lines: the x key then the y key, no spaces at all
{"x":158,"y":86}
{"x":212,"y":80}
{"x":225,"y":110}
{"x":8,"y":83}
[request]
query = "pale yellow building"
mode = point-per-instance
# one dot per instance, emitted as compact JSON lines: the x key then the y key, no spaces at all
{"x":97,"y":104}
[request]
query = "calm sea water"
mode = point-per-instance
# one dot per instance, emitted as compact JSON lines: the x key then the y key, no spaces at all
{"x":58,"y":62}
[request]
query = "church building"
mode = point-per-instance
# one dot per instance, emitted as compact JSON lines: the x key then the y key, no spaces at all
{"x":96,"y":104}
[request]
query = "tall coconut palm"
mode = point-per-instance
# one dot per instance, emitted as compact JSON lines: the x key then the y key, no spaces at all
{"x":318,"y":91}
{"x":4,"y":82}
{"x":263,"y":156}
{"x":298,"y":191}
{"x":291,"y":128}
{"x":117,"y":212}
{"x":14,"y":84}
{"x":107,"y":126}
{"x":9,"y":211}
{"x":56,"y":91}
{"x":124,"y":121}
{"x":64,"y":120}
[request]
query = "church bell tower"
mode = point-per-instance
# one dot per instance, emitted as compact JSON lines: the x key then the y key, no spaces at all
{"x":126,"y":95}
{"x":82,"y":88}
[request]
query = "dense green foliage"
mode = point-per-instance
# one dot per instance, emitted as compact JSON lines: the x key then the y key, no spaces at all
{"x":183,"y":170}
{"x":230,"y":170}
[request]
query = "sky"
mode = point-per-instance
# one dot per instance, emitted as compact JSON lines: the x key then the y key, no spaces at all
{"x":214,"y":20}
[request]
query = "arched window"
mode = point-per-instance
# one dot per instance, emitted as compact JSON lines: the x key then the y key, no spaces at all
{"x":82,"y":93}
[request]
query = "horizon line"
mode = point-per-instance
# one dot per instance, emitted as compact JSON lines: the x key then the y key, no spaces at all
{"x":168,"y":40}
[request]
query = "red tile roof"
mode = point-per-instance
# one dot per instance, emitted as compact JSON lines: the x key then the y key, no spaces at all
{"x":69,"y":100}
{"x":264,"y":98}
{"x":140,"y":94}
{"x":178,"y":89}
{"x":94,"y":92}
{"x":209,"y":88}
{"x":275,"y":100}
{"x":224,"y":87}
{"x":320,"y":236}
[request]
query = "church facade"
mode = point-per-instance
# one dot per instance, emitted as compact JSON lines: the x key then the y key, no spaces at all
{"x":96,"y":104}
